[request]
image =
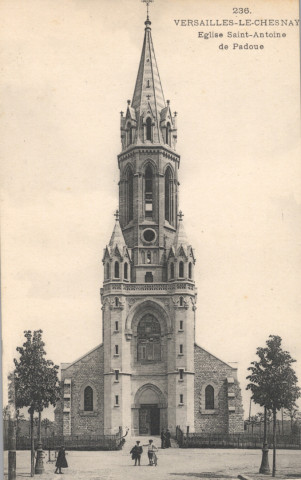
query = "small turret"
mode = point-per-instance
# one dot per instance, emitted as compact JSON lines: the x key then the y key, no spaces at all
{"x":116,"y":258}
{"x":180,"y":260}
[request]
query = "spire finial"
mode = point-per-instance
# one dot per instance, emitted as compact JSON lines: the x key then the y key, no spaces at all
{"x":116,"y":215}
{"x":147,"y":16}
{"x":180,"y":215}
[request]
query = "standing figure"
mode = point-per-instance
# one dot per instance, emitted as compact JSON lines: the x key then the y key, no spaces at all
{"x":61,"y":461}
{"x":167,"y":439}
{"x":162,"y":439}
{"x":151,"y":452}
{"x":136,"y":453}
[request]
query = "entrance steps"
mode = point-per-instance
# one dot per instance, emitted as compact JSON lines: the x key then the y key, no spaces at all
{"x":130,"y":441}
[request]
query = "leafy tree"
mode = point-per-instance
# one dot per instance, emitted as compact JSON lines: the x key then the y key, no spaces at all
{"x":293,"y":414}
{"x":273,"y":381}
{"x":36,"y":380}
{"x":46,"y":424}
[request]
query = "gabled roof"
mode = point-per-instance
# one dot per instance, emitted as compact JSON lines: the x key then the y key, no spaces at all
{"x":130,"y":113}
{"x":166,"y":114}
{"x":64,"y":366}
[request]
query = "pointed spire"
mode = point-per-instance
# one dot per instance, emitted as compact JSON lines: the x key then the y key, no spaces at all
{"x":180,"y":237}
{"x":117,"y":239}
{"x":148,"y":98}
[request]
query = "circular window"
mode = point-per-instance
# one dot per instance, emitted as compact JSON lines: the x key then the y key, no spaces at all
{"x":149,"y":235}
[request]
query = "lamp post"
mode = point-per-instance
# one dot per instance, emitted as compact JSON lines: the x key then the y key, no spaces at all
{"x":12,"y":445}
{"x":39,"y":468}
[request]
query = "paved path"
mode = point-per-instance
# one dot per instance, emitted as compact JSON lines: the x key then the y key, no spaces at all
{"x":174,"y":464}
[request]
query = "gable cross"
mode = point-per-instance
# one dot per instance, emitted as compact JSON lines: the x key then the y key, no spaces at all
{"x":180,"y":215}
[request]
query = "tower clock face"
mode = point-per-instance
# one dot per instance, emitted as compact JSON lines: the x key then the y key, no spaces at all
{"x":149,"y":235}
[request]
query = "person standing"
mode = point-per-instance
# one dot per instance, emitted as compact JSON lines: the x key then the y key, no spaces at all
{"x":151,"y":453}
{"x":136,"y":453}
{"x":162,"y":438}
{"x":167,"y":439}
{"x":61,"y":461}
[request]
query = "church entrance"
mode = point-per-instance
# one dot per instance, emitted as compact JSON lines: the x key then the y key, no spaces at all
{"x":149,"y":420}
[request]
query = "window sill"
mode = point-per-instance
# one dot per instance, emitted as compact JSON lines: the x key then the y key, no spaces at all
{"x":116,"y":381}
{"x":208,"y":412}
{"x":181,"y":354}
{"x":116,"y":406}
{"x":83,"y":413}
{"x":116,"y":331}
{"x":116,"y":355}
{"x":181,"y":380}
{"x":181,"y":404}
{"x":181,"y":330}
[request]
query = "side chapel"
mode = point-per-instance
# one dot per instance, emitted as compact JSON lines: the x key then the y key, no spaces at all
{"x":148,"y":373}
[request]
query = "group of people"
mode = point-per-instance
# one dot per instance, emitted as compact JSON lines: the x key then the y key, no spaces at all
{"x":152,"y":450}
{"x":165,"y":438}
{"x":136,"y":452}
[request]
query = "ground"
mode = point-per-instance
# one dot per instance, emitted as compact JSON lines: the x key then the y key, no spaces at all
{"x":173,"y":464}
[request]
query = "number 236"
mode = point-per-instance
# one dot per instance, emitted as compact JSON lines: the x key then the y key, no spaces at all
{"x":241,"y":10}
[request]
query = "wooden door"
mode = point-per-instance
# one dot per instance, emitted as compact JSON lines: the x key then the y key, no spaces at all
{"x":144,"y":421}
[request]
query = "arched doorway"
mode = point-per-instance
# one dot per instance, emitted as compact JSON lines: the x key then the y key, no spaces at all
{"x":148,"y":402}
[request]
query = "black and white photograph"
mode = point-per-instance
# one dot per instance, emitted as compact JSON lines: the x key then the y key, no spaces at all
{"x":151,"y":239}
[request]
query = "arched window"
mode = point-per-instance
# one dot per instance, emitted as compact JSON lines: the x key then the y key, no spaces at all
{"x":209,"y":398}
{"x":168,"y":196}
{"x":116,"y":302}
{"x":129,"y":134}
{"x":172,"y":270}
{"x":88,"y":399}
{"x":116,"y":270}
{"x":149,"y":191}
{"x":190,"y":270}
{"x":149,"y":129}
{"x":149,"y":339}
{"x":143,"y":256}
{"x":181,"y":301}
{"x":129,"y":195}
{"x":181,"y":269}
{"x":148,"y":257}
{"x":107,"y":270}
{"x":125,"y":271}
{"x":168,"y":134}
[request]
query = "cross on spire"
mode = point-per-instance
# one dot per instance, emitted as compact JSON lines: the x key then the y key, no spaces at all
{"x":147,"y":5}
{"x":116,"y":215}
{"x":180,"y":215}
{"x":148,"y":97}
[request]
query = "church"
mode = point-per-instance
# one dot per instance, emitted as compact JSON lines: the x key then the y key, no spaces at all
{"x":148,"y":374}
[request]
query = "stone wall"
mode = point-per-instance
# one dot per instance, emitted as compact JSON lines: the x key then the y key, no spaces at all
{"x":227,"y":415}
{"x":70,"y":415}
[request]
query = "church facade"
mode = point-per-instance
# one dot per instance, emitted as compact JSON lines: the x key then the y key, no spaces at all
{"x":149,"y":373}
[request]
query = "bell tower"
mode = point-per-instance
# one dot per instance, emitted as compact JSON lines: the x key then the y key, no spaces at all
{"x":148,"y":294}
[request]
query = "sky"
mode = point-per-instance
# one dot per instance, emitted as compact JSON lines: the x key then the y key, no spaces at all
{"x":68,"y":69}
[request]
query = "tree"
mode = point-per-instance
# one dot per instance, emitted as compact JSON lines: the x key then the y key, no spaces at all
{"x":273,"y":382}
{"x":293,"y":414}
{"x":36,"y":380}
{"x":46,"y":424}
